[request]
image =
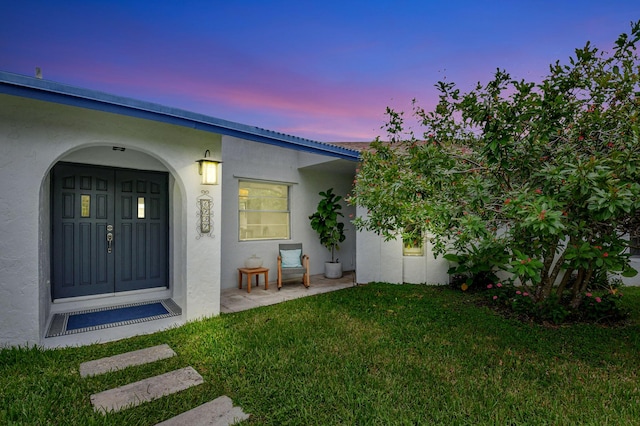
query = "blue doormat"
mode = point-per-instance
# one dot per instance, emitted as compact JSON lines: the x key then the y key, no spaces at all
{"x":100,"y":318}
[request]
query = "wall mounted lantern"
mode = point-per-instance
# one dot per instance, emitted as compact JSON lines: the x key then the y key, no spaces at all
{"x":208,"y":169}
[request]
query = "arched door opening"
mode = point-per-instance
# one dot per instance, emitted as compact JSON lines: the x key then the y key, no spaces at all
{"x":109,"y":230}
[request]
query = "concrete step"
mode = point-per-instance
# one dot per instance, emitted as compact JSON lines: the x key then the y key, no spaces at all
{"x":145,"y":390}
{"x":119,"y":362}
{"x":219,"y":412}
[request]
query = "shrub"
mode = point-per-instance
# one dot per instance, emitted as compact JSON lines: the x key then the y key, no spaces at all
{"x":606,"y":307}
{"x":539,"y":180}
{"x":552,"y":310}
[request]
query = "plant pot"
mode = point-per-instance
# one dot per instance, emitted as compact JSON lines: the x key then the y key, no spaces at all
{"x":332,"y":269}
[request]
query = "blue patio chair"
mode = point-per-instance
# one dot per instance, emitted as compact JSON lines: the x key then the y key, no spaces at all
{"x":291,"y":260}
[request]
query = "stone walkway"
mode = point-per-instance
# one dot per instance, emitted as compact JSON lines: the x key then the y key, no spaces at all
{"x":219,"y":412}
{"x":129,"y":359}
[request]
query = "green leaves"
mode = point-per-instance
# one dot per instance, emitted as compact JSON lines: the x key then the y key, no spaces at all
{"x":526,"y":268}
{"x":325,"y":221}
{"x":550,"y":169}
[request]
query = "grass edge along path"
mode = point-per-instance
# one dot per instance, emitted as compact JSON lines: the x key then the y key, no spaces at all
{"x":374,"y":354}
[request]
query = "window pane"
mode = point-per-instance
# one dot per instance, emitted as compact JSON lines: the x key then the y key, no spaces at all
{"x":258,"y":226}
{"x":412,"y":242}
{"x":261,"y":189}
{"x":266,"y":204}
{"x":263,"y":211}
{"x":413,"y":250}
{"x":85,"y":202}
{"x":140,"y":207}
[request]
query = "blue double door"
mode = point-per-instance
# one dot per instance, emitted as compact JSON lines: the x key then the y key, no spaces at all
{"x":109,"y":230}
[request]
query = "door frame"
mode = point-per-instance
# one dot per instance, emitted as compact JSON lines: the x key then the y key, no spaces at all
{"x":166,"y":229}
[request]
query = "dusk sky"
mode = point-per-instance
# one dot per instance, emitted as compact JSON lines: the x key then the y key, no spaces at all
{"x":324,"y":70}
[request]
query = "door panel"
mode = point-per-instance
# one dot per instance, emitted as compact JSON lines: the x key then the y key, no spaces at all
{"x":86,"y":200}
{"x":141,"y":230}
{"x":82,"y":198}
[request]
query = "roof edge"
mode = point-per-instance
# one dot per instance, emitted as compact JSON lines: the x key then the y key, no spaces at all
{"x":50,"y":91}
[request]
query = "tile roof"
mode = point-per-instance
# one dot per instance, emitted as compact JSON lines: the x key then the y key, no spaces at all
{"x":358,"y":146}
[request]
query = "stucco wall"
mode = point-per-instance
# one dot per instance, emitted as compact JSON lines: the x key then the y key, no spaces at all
{"x":380,"y":260}
{"x":312,"y":183}
{"x":34,"y":135}
{"x":254,"y":161}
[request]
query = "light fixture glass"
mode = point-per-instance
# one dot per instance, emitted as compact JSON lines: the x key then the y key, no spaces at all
{"x":208,"y":169}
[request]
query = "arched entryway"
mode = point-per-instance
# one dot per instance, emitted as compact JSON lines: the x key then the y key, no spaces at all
{"x":109,"y":230}
{"x":110,"y":213}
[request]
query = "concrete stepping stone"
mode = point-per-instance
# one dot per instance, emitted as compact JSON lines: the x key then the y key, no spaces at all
{"x":119,"y":362}
{"x":219,"y":412}
{"x":145,"y":390}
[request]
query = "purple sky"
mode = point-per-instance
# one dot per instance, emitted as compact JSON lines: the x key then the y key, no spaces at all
{"x":324,"y":69}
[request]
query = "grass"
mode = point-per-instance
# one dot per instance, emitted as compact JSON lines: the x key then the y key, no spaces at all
{"x":371,"y":355}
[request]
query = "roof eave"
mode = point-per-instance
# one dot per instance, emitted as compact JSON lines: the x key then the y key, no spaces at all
{"x":48,"y":91}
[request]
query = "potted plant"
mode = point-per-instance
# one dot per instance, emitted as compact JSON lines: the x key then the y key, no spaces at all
{"x":325,"y":222}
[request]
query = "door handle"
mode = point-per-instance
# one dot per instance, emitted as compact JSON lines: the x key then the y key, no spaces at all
{"x":109,"y":241}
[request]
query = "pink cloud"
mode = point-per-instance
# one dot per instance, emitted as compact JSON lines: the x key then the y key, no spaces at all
{"x":302,"y":78}
{"x":356,"y":111}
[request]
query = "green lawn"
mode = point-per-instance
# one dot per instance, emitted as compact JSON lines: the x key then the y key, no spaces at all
{"x":376,"y":354}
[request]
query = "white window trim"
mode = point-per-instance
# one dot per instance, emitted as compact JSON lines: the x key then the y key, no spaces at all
{"x":288,"y":211}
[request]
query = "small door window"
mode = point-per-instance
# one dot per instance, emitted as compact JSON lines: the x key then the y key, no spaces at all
{"x":85,"y":205}
{"x":140,"y":207}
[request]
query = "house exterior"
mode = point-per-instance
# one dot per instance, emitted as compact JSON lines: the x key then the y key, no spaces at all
{"x":102,"y":203}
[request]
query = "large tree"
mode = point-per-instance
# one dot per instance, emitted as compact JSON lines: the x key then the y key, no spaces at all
{"x":538,"y":179}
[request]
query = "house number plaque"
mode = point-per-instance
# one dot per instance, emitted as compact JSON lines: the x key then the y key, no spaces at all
{"x":205,"y":214}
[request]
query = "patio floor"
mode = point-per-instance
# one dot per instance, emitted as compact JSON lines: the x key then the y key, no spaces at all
{"x":236,"y":300}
